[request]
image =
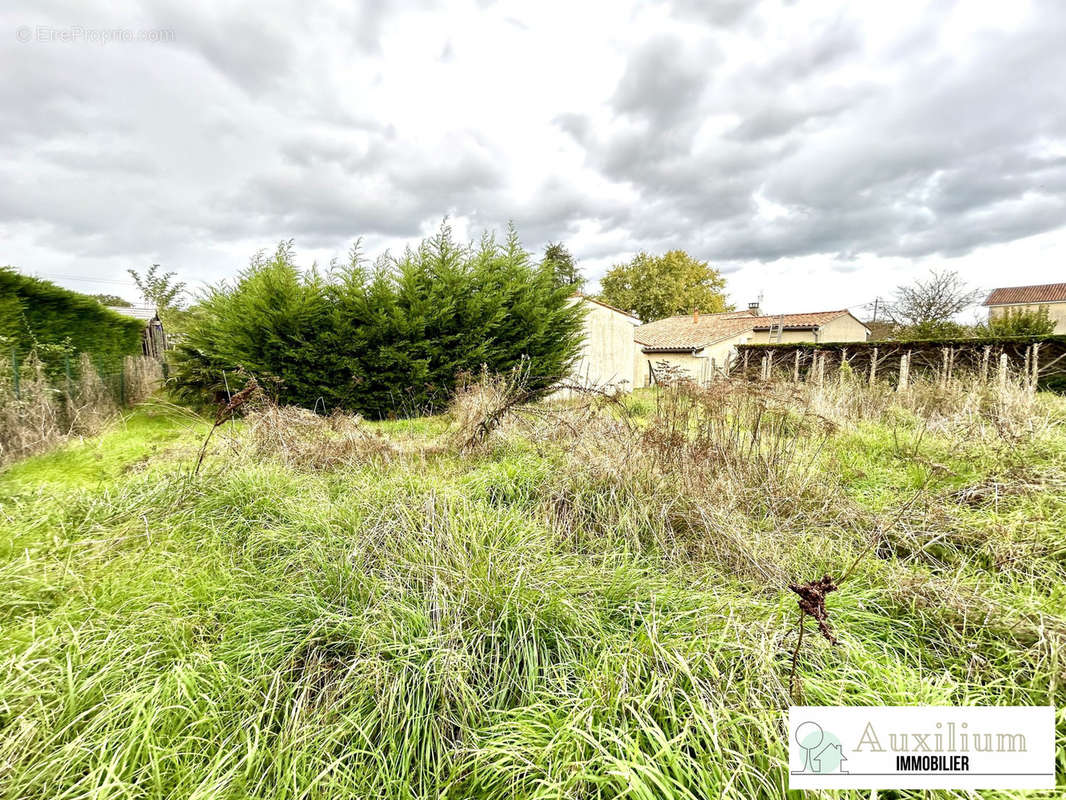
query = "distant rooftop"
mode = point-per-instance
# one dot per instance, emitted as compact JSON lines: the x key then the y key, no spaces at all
{"x":692,"y":332}
{"x":146,"y":314}
{"x":1020,"y":295}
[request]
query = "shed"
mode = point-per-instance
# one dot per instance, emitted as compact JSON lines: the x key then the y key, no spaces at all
{"x":153,"y":337}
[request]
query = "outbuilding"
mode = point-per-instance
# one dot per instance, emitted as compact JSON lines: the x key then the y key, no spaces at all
{"x":703,"y":346}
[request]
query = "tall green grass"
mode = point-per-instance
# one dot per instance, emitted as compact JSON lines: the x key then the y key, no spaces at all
{"x":516,"y":622}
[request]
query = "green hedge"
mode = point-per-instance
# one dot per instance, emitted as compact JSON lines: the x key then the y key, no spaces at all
{"x":392,"y":339}
{"x":910,"y":344}
{"x":36,"y":314}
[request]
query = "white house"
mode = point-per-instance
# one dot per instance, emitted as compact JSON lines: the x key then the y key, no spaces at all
{"x":704,"y":345}
{"x":608,"y":352}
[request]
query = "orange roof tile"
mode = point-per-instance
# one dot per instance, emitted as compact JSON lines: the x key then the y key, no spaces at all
{"x":685,"y":333}
{"x":1018,"y":295}
{"x":810,"y":320}
{"x":688,"y":333}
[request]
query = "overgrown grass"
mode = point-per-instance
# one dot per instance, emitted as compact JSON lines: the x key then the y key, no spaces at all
{"x":591,"y":603}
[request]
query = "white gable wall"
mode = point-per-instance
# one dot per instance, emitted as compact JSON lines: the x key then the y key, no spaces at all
{"x":607,"y":353}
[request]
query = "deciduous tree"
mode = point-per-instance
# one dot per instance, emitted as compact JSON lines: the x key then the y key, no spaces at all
{"x":159,"y":290}
{"x":927,"y":309}
{"x":653,"y":287}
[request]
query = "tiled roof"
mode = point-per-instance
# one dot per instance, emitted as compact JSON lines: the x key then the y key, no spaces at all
{"x":1043,"y":293}
{"x":687,"y":333}
{"x":746,"y":313}
{"x":811,"y":320}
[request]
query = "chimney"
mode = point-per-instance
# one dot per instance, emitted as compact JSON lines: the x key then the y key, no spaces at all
{"x":695,"y":316}
{"x":754,"y":308}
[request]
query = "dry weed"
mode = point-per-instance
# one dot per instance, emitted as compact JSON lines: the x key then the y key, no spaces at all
{"x":90,"y":405}
{"x":31,"y":419}
{"x":143,"y":377}
{"x":300,"y":438}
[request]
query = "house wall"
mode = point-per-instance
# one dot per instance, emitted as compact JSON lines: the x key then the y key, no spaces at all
{"x":763,"y":337}
{"x":1055,"y":311}
{"x":844,"y":328}
{"x":607,"y":353}
{"x":701,"y":367}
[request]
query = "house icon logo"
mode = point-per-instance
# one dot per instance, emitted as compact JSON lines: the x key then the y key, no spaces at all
{"x":822,"y":751}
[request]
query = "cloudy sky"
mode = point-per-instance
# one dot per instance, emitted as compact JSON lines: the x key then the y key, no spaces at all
{"x":819,"y":152}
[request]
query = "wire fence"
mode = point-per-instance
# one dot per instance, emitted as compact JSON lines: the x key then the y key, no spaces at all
{"x":1035,"y":361}
{"x":44,"y":400}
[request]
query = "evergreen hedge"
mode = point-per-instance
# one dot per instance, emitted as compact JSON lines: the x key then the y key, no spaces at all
{"x":38,"y":315}
{"x":387,"y":339}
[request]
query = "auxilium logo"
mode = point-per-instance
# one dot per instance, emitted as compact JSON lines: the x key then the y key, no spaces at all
{"x":922,"y":747}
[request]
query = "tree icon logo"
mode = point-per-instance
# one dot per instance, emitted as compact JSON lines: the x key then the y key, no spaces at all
{"x":822,"y":751}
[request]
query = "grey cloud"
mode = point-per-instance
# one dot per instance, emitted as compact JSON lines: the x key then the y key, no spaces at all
{"x":663,"y":81}
{"x":945,"y":160}
{"x":553,"y":209}
{"x":715,"y":12}
{"x":576,"y":125}
{"x":819,"y":48}
{"x":240,"y":41}
{"x":240,"y":130}
{"x":778,"y":120}
{"x":330,"y":188}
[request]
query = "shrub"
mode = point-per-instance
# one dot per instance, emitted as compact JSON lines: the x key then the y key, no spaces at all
{"x":1021,"y":322}
{"x":390,"y":339}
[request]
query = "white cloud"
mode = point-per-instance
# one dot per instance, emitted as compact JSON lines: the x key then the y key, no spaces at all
{"x":820,"y":152}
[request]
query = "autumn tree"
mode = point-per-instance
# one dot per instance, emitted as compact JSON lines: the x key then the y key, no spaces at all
{"x":653,"y":287}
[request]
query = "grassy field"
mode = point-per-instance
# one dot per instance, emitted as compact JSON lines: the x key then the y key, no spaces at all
{"x":588,"y":601}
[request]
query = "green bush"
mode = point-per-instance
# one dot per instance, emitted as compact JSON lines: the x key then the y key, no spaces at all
{"x":38,"y":315}
{"x":387,"y":339}
{"x":1020,"y":322}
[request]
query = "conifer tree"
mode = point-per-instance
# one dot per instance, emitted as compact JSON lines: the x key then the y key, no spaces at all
{"x":387,"y":339}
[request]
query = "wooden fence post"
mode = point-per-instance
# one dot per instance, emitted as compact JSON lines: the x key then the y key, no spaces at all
{"x":873,"y":366}
{"x":1002,"y":371}
{"x":943,"y":366}
{"x":984,"y":363}
{"x":1034,"y":365}
{"x":745,"y":365}
{"x":1025,"y":368}
{"x":796,"y":367}
{"x":904,"y":371}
